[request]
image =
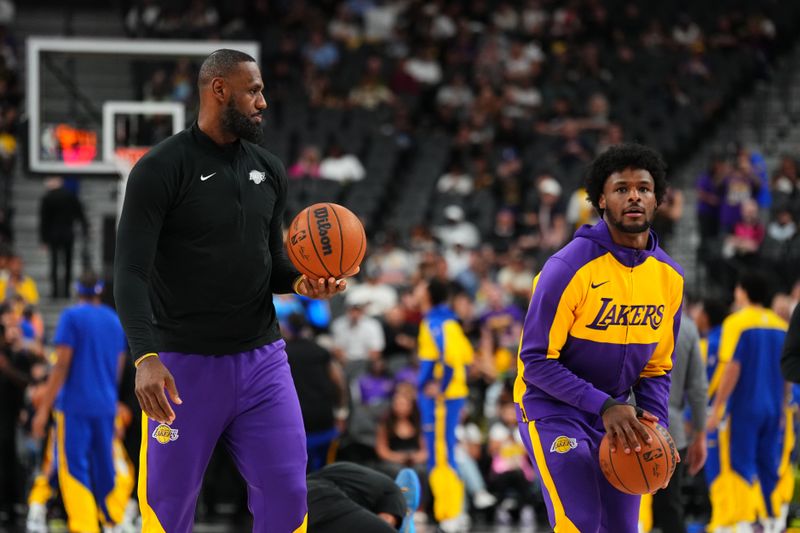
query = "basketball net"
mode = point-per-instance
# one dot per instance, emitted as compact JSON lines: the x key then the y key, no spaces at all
{"x":125,"y":157}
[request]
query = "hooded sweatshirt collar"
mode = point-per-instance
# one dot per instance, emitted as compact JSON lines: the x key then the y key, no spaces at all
{"x":630,"y":257}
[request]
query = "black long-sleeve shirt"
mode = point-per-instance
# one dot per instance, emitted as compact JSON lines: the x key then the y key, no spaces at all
{"x":200,"y":247}
{"x":790,"y":359}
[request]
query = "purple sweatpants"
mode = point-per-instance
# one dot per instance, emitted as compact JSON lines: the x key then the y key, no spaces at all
{"x":249,"y":401}
{"x":577,"y":494}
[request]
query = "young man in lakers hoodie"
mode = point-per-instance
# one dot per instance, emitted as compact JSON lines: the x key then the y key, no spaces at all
{"x":597,"y":344}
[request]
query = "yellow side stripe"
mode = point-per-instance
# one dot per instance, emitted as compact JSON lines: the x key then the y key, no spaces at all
{"x":150,"y":522}
{"x":303,"y":527}
{"x":563,"y":523}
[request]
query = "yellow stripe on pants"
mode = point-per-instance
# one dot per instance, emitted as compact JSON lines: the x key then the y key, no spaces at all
{"x":82,"y":511}
{"x":150,"y":522}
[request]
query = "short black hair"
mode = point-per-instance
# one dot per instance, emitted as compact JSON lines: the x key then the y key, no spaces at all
{"x":438,"y":291}
{"x":220,"y":63}
{"x":621,"y":157}
{"x":716,"y":311}
{"x":756,"y":285}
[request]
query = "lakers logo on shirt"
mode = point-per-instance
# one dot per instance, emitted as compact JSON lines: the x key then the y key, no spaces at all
{"x":563,"y":444}
{"x":164,"y":434}
{"x":612,"y":314}
{"x":257,"y":177}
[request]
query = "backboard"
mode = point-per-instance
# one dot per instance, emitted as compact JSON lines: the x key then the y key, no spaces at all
{"x":74,"y":84}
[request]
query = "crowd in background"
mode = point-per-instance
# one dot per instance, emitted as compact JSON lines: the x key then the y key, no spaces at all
{"x":747,"y":216}
{"x":524,"y":91}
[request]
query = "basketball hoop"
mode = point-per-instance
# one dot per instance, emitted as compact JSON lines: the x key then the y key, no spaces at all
{"x":125,"y":157}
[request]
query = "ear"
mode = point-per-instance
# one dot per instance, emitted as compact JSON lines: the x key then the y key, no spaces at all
{"x":219,"y":89}
{"x":601,"y":202}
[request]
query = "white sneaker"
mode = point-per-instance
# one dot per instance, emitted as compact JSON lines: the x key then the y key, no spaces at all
{"x":527,"y":518}
{"x":36,"y":522}
{"x":483,"y":499}
{"x":129,"y":519}
{"x":458,"y":524}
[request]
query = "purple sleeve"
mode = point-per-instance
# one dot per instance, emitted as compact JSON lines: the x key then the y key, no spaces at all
{"x":652,"y":394}
{"x":548,"y":374}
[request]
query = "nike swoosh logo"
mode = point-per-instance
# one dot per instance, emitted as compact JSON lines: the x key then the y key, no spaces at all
{"x":594,"y":286}
{"x":204,"y":178}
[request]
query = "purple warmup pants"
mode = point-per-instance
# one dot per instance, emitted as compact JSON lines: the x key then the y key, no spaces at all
{"x":577,"y":494}
{"x":249,"y":401}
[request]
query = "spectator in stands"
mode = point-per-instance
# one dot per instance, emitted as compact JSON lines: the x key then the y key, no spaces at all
{"x":376,"y":296}
{"x":59,"y":211}
{"x":18,"y":284}
{"x":344,"y":28}
{"x":375,"y":386}
{"x":340,"y":166}
{"x":399,"y":441}
{"x":504,"y":231}
{"x":394,"y":263}
{"x":201,"y":20}
{"x":501,"y":327}
{"x":550,"y":217}
{"x":321,"y":389}
{"x":516,"y":278}
{"x":511,"y":478}
{"x":710,"y":189}
{"x":669,"y":212}
{"x":457,"y":230}
{"x":141,"y":18}
{"x":307,"y":165}
{"x":775,"y":251}
{"x":748,"y":234}
{"x":752,"y":163}
{"x":320,"y":53}
{"x":371,"y":92}
{"x":357,"y":338}
{"x":740,"y":185}
{"x":455,"y":94}
{"x":579,"y":210}
{"x":400,"y":334}
{"x":456,"y":181}
{"x":686,"y":32}
{"x":14,"y":377}
{"x":424,"y":67}
{"x":785,"y":184}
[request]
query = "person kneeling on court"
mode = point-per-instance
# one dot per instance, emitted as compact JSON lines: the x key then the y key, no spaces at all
{"x":346,"y":497}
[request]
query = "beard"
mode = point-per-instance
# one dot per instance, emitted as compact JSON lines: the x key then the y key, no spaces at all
{"x":637,"y":227}
{"x":240,"y":125}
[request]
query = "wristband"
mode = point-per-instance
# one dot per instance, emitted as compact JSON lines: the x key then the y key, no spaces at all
{"x":296,"y":284}
{"x":611,"y":402}
{"x":142,"y":358}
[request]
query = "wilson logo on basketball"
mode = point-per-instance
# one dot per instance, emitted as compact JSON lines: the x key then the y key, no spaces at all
{"x":323,"y":225}
{"x":649,"y":455}
{"x":563,"y":444}
{"x":299,"y":236}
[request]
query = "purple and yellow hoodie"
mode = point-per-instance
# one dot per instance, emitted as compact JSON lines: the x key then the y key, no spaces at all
{"x":602,"y":322}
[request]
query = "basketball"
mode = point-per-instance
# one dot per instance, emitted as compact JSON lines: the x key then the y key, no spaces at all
{"x":326,"y":240}
{"x":643,"y":472}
